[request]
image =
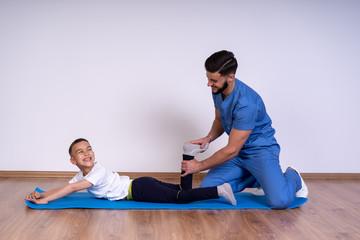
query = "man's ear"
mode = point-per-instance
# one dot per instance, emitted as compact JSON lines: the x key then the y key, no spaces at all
{"x":230,"y":77}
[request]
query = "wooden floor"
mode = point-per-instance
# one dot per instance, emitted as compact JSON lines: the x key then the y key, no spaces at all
{"x":332,"y":212}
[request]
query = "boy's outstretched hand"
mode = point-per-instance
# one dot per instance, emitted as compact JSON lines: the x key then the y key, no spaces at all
{"x":48,"y":196}
{"x":35,"y":197}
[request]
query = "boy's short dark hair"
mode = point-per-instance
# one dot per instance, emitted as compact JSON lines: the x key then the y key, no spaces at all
{"x":223,"y":62}
{"x":75,"y":142}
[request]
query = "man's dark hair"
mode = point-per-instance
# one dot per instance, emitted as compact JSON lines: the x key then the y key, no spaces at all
{"x":75,"y":142}
{"x":223,"y":62}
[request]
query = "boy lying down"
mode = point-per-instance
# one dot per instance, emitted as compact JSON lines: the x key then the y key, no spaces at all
{"x":103,"y":183}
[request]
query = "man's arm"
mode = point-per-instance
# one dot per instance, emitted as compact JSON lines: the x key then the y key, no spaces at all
{"x":236,"y":141}
{"x":45,"y":197}
{"x":217,"y":128}
{"x":216,"y":131}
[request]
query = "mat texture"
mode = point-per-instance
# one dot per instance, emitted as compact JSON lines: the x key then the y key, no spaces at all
{"x":86,"y":200}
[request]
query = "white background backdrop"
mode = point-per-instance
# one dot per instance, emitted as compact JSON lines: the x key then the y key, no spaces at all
{"x":129,"y":77}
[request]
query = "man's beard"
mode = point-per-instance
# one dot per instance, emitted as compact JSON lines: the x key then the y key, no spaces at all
{"x":220,"y":90}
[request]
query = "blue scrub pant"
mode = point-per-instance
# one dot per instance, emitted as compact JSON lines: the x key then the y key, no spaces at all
{"x":260,"y":168}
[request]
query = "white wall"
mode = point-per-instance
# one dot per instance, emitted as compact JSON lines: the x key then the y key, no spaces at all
{"x":129,"y":76}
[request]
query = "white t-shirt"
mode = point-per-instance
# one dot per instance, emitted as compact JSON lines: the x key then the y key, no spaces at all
{"x":107,"y":184}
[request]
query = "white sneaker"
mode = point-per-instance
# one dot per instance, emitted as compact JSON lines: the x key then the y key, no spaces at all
{"x":303,"y":192}
{"x":193,"y":149}
{"x":258,"y":192}
{"x":226,"y":192}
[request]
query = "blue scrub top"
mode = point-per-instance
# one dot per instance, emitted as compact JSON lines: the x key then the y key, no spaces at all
{"x":244,"y":109}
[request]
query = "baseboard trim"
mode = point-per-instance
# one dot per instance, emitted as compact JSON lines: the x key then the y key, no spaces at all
{"x":163,"y":175}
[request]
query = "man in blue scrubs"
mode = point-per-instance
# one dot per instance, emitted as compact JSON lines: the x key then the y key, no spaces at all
{"x":251,"y":156}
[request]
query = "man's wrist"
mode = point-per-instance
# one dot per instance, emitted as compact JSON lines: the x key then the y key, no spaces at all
{"x":209,"y":137}
{"x":201,"y":166}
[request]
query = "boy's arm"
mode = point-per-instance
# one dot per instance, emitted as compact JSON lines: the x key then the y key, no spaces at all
{"x":45,"y":197}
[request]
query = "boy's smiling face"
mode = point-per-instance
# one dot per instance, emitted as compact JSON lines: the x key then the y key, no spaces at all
{"x":83,"y":156}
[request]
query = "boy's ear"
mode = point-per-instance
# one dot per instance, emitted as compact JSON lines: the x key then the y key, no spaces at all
{"x":72,"y":160}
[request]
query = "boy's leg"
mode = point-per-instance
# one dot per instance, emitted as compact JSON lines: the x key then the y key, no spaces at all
{"x":198,"y":194}
{"x":186,"y":182}
{"x":169,"y":185}
{"x":190,"y":150}
{"x":147,"y":189}
{"x":233,"y":173}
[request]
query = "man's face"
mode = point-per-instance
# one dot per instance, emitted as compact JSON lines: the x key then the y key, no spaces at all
{"x":217,"y":82}
{"x":82,"y":155}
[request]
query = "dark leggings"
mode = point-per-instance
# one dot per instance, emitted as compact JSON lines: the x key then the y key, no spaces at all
{"x":147,"y":189}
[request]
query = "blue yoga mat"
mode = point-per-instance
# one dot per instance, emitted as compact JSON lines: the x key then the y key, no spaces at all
{"x":86,"y":200}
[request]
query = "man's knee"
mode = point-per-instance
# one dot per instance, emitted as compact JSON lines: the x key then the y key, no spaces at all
{"x":279,"y":202}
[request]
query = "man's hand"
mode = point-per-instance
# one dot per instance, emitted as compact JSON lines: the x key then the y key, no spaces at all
{"x":190,"y":167}
{"x":202,"y":141}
